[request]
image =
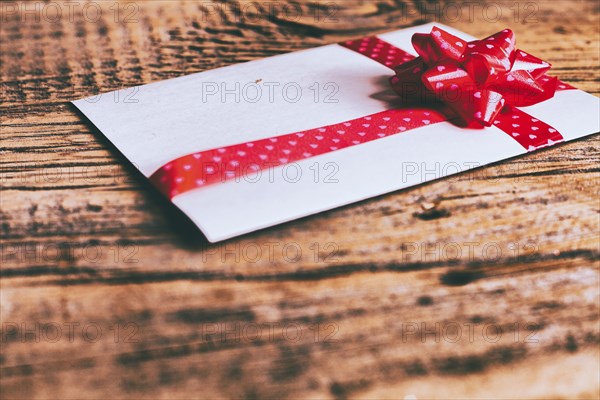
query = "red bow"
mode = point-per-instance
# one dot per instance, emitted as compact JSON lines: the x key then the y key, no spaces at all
{"x":475,"y":79}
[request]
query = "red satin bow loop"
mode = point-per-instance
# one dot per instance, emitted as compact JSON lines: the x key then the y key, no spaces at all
{"x":474,"y":79}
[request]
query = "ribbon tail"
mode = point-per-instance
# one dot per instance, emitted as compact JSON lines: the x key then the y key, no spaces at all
{"x":529,"y":132}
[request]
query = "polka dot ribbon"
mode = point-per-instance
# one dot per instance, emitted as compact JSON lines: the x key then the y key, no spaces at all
{"x":208,"y":167}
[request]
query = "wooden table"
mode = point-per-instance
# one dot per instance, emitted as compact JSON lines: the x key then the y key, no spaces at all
{"x":485,"y":285}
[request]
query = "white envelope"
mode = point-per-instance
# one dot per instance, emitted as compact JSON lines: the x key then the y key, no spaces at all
{"x":159,"y":122}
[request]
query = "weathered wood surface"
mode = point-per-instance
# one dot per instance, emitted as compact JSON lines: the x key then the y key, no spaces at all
{"x":510,"y":248}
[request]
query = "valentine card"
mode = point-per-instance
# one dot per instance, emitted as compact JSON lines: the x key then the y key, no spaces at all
{"x":253,"y":145}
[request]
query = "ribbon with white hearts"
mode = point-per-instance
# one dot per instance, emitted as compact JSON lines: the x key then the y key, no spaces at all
{"x":203,"y":168}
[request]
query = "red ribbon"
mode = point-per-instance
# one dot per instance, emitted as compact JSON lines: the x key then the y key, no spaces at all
{"x":494,"y":76}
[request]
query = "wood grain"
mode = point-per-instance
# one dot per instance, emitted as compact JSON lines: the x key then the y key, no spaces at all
{"x":363,"y":301}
